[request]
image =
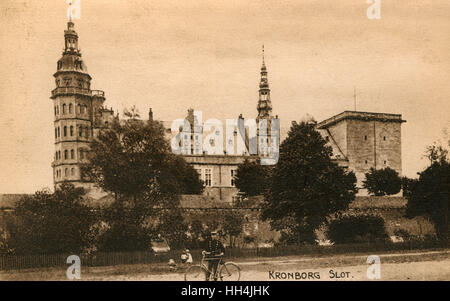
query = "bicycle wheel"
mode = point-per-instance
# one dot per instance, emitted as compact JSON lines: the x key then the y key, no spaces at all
{"x":194,"y":273}
{"x":230,"y":272}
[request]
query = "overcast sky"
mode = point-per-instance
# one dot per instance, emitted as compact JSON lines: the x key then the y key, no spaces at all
{"x":172,"y":55}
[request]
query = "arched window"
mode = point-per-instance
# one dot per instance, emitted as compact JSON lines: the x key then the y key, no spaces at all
{"x":64,"y":108}
{"x":59,"y":154}
{"x":66,"y":172}
{"x":82,"y":109}
{"x":72,"y":154}
{"x":66,"y":154}
{"x":56,"y":133}
{"x":65,"y":131}
{"x":70,"y":108}
{"x":87,"y":132}
{"x":71,"y":130}
{"x":80,"y":131}
{"x":81,"y":154}
{"x":72,"y":171}
{"x":79,"y":109}
{"x":59,"y":132}
{"x":57,"y":109}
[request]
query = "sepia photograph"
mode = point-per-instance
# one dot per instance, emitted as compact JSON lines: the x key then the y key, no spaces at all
{"x":224,"y":140}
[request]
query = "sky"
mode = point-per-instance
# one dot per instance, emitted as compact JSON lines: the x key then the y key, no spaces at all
{"x":206,"y":54}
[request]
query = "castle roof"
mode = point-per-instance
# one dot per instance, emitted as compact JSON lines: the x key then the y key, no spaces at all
{"x":363,"y":116}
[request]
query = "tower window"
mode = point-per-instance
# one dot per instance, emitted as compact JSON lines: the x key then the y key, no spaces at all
{"x":71,"y":130}
{"x":80,"y":131}
{"x":70,"y":108}
{"x":208,"y":177}
{"x":81,"y":154}
{"x":365,"y":161}
{"x":79,"y":108}
{"x":365,"y":137}
{"x":384,"y":138}
{"x":59,"y":132}
{"x":65,"y":131}
{"x":66,"y":154}
{"x":66,"y":172}
{"x":233,"y":175}
{"x":72,"y":154}
{"x":56,"y":133}
{"x":72,"y":172}
{"x":64,"y":108}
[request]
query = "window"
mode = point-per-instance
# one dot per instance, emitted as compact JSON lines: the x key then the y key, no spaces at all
{"x":79,"y":108}
{"x":64,"y":108}
{"x":66,"y":154}
{"x":81,"y":154}
{"x":55,"y":110}
{"x":384,"y":138}
{"x":80,"y":131}
{"x":87,"y":132}
{"x":72,"y":172}
{"x":365,"y":161}
{"x":65,"y":131}
{"x":56,"y":133}
{"x":208,"y":177}
{"x":365,"y":137}
{"x":66,"y":172}
{"x":70,"y":108}
{"x":199,"y":171}
{"x":59,"y":154}
{"x":72,"y":154}
{"x":59,"y":132}
{"x":233,"y":175}
{"x":71,"y":130}
{"x":385,"y":162}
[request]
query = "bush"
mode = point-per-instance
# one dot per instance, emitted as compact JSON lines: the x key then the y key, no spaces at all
{"x":357,"y":229}
{"x":382,"y":182}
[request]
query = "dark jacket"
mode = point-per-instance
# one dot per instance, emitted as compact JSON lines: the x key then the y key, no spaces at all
{"x":214,"y":246}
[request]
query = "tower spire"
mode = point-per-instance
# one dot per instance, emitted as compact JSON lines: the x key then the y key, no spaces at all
{"x":264,"y":103}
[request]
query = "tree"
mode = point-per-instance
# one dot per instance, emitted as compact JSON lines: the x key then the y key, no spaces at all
{"x":306,"y":186}
{"x":430,"y":197}
{"x":251,"y":178}
{"x":381,"y":182}
{"x":53,"y":223}
{"x":436,"y":153}
{"x":357,"y":229}
{"x":132,"y":160}
{"x":232,"y":225}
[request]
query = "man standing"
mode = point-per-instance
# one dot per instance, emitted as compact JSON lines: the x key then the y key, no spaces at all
{"x":213,"y":253}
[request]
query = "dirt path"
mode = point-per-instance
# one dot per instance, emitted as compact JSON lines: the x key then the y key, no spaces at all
{"x":432,"y":265}
{"x":342,"y":268}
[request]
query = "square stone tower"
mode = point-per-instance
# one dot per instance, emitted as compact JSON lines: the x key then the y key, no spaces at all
{"x":362,"y":140}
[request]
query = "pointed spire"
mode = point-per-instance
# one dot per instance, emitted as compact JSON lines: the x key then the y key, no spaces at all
{"x":263,"y":62}
{"x":264,"y":104}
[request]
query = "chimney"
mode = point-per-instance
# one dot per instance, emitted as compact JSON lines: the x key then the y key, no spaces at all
{"x":150,"y":115}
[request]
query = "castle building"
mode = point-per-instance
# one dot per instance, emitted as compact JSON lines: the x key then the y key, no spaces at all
{"x":360,"y":140}
{"x":219,"y":170}
{"x":78,"y":113}
{"x":363,"y":140}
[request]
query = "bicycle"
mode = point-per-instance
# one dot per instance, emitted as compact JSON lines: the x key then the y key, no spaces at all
{"x":226,"y":271}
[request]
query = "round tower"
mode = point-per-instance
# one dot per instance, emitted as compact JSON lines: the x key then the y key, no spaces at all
{"x":75,"y":109}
